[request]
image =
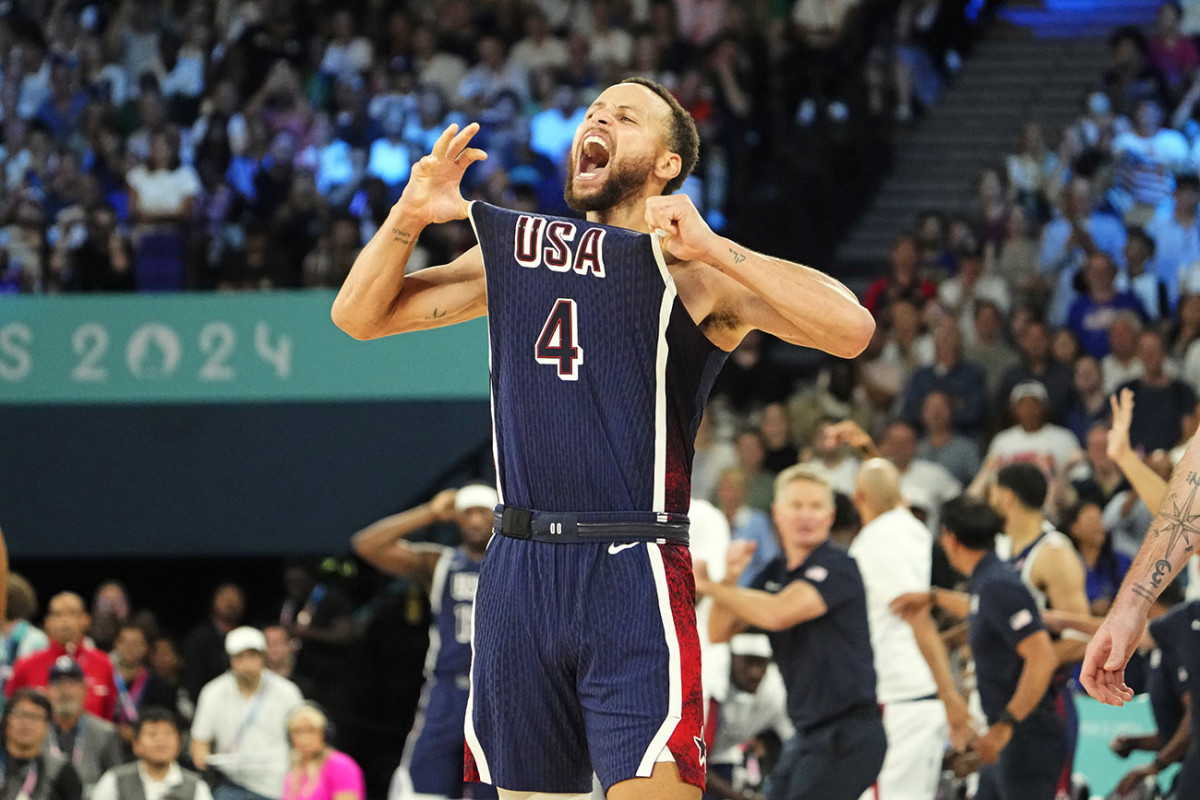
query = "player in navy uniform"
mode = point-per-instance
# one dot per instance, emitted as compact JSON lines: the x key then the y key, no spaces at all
{"x":1026,"y":741}
{"x":812,"y":602}
{"x":605,"y":341}
{"x":431,"y":766}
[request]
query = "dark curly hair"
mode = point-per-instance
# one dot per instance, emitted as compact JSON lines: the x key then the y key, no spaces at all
{"x":682,"y":136}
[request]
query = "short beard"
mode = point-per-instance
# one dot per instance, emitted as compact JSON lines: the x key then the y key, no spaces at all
{"x":622,"y":181}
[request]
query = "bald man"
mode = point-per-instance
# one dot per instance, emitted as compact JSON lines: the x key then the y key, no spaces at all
{"x":894,"y":553}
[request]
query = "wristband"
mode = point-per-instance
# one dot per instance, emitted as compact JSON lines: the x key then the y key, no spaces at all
{"x":1006,"y":717}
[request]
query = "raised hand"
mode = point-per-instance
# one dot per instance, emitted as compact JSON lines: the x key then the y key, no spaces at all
{"x":433,"y":194}
{"x":738,"y":557}
{"x":442,"y":504}
{"x":1122,"y":416}
{"x":851,"y":433}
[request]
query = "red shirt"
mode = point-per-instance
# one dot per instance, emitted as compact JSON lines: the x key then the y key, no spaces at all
{"x":34,"y":669}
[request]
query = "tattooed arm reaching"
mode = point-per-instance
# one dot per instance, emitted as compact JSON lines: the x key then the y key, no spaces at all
{"x":1172,"y":538}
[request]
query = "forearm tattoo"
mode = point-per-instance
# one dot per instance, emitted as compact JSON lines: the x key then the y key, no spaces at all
{"x":1180,"y":524}
{"x":403,"y":237}
{"x":1143,"y":592}
{"x":737,"y":257}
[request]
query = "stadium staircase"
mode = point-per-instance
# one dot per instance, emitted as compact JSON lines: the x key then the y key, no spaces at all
{"x":1034,"y":62}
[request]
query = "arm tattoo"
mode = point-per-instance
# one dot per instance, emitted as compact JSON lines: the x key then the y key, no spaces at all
{"x":403,"y":237}
{"x":436,"y":314}
{"x":1142,"y":592}
{"x":1180,"y":522}
{"x":1161,"y":567}
{"x":737,"y":257}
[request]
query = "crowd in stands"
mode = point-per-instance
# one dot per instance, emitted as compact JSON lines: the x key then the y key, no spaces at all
{"x":249,"y":144}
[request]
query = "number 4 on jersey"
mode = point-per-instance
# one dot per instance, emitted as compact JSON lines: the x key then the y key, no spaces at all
{"x":557,"y":344}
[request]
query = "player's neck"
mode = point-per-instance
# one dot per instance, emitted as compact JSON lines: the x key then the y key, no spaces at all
{"x":629,"y":214}
{"x":1023,"y":527}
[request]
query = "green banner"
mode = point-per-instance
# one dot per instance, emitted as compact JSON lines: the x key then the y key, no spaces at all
{"x":250,"y":347}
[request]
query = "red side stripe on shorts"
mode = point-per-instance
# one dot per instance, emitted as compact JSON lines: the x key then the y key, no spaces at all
{"x":687,"y":743}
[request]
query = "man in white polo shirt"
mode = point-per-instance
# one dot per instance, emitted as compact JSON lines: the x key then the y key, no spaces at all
{"x":894,"y":551}
{"x":240,"y":727}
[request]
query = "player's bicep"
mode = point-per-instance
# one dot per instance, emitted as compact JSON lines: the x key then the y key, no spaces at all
{"x":440,"y":296}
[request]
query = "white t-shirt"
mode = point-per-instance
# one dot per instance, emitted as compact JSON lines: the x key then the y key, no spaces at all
{"x":743,"y":715}
{"x":259,"y":761}
{"x":163,"y":191}
{"x":1051,"y":442}
{"x":106,"y":787}
{"x":894,"y":552}
{"x":840,"y":476}
{"x":931,"y":478}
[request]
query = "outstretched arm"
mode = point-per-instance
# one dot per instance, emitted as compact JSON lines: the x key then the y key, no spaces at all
{"x":382,"y":543}
{"x":376,"y":298}
{"x":796,"y":303}
{"x":1147,"y":483}
{"x":1170,"y":542}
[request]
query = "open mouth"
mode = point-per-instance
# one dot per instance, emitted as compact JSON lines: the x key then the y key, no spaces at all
{"x":593,"y":158}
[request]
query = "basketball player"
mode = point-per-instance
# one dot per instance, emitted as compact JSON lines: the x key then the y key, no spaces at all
{"x":431,"y":766}
{"x":605,"y":336}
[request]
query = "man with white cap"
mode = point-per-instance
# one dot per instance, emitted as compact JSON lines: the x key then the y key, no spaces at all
{"x":1032,"y":439}
{"x":432,"y":763}
{"x":751,"y":700}
{"x":240,"y":727}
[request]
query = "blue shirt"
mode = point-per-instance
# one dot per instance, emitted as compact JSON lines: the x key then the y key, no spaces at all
{"x":1003,"y":614}
{"x":827,"y":662}
{"x":1091,"y":320}
{"x":753,"y":525}
{"x":1177,"y":634}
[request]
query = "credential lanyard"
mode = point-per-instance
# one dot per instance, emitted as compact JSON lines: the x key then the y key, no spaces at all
{"x":248,"y":720}
{"x":31,"y":778}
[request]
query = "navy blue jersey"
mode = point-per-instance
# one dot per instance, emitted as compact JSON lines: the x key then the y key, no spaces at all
{"x":1177,"y":634}
{"x":827,"y":662}
{"x":599,"y":375}
{"x":1003,"y":614}
{"x":452,"y":602}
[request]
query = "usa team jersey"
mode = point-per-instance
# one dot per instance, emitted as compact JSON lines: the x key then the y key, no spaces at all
{"x":598,"y":374}
{"x":451,"y":601}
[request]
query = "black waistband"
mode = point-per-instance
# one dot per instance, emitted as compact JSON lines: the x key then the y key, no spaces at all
{"x":573,"y":528}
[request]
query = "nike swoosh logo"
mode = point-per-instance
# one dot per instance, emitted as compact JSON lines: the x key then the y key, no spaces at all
{"x":613,"y":549}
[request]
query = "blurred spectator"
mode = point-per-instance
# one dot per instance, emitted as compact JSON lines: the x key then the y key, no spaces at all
{"x":315,"y":761}
{"x":1162,"y":401}
{"x":552,"y":129}
{"x":166,"y":664}
{"x":66,"y":621}
{"x":337,"y":167}
{"x":1106,"y":567}
{"x":837,"y":393}
{"x":972,"y":284}
{"x":110,"y":610}
{"x":1130,"y":77}
{"x":1184,"y":330}
{"x":281,"y":653}
{"x":991,"y":207}
{"x":249,"y":750}
{"x":942,"y":444}
{"x":89,"y":743}
{"x":137,"y":685}
{"x":902,"y":280}
{"x":28,"y":767}
{"x":1122,"y":363}
{"x":932,"y":237}
{"x":775,"y":428}
{"x":540,"y":49}
{"x":1036,"y":364}
{"x":1095,"y":475}
{"x":91,"y":254}
{"x":745,"y":522}
{"x":751,"y":450}
{"x":907,"y":346}
{"x":1029,"y":170}
{"x":820,"y":59}
{"x":1141,"y":276}
{"x":1146,"y":159}
{"x":1093,"y":311}
{"x":1091,"y":400}
{"x":21,"y":637}
{"x":922,"y":53}
{"x":23,"y":248}
{"x":440,"y":70}
{"x":713,"y":455}
{"x":347,"y":53}
{"x":492,"y":75}
{"x":61,"y":111}
{"x":162,"y":193}
{"x":1176,"y":237}
{"x":898,"y":444}
{"x":1065,"y":347}
{"x":1068,"y":240}
{"x":950,"y":373}
{"x":830,"y":457}
{"x":1170,"y":53}
{"x":389,"y":158}
{"x":156,"y":773}
{"x":317,"y":616}
{"x":204,"y":656}
{"x":988,"y":348}
{"x":750,"y":701}
{"x":610,"y":47}
{"x":330,"y":261}
{"x":1032,"y":440}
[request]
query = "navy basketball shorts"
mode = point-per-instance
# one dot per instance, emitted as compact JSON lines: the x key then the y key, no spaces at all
{"x":586,"y":658}
{"x":432,"y":763}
